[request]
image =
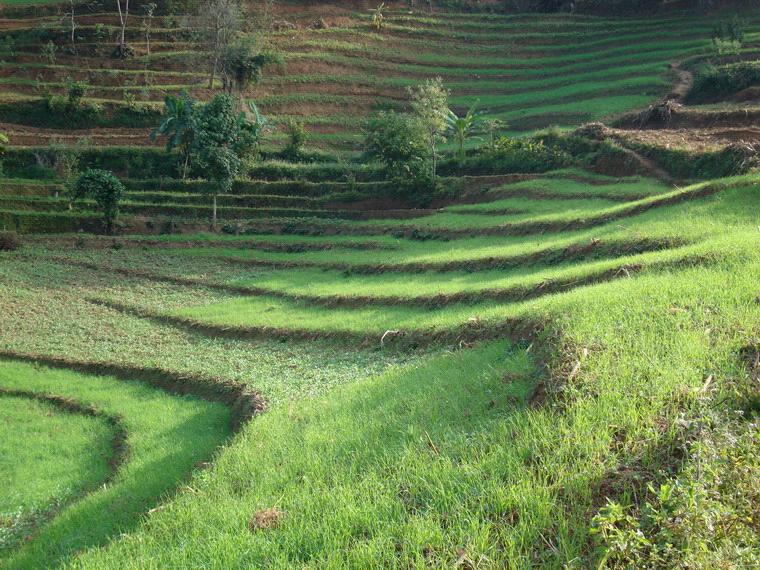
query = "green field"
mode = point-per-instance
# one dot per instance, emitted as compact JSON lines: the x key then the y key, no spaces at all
{"x":544,"y":356}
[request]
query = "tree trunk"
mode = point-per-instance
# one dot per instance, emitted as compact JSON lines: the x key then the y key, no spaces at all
{"x":73,"y":27}
{"x":215,"y":60}
{"x":434,"y":155}
{"x":187,"y":161}
{"x":213,"y":215}
{"x":123,"y":20}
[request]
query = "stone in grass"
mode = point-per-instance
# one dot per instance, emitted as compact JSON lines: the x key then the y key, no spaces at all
{"x":265,"y":518}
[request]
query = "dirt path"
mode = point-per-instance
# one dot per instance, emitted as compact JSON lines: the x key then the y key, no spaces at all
{"x":683,"y":85}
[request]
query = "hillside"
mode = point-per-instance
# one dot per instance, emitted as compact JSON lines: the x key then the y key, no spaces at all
{"x":546,"y":356}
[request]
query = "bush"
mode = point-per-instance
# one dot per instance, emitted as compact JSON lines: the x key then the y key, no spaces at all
{"x":297,"y":137}
{"x":9,"y":241}
{"x":510,"y":155}
{"x":715,"y":83}
{"x":103,"y":187}
{"x":53,"y":111}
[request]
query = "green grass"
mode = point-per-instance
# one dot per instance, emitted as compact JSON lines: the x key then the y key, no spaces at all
{"x":166,"y":436}
{"x":49,"y":456}
{"x":425,"y":458}
{"x":425,"y":465}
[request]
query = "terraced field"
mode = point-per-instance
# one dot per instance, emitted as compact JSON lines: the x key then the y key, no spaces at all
{"x":531,"y":72}
{"x":520,"y":69}
{"x":533,"y":367}
{"x":487,"y":428}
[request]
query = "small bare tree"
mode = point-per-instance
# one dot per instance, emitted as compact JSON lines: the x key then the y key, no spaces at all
{"x":122,"y":50}
{"x":147,"y":23}
{"x":219,"y":21}
{"x":70,"y":16}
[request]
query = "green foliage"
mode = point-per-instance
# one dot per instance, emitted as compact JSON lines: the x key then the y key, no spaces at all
{"x":728,"y":36}
{"x":378,"y":18}
{"x":240,"y":64}
{"x":223,"y":141}
{"x":297,"y":137}
{"x":65,"y":159}
{"x":513,"y":155}
{"x":493,"y":128}
{"x":702,"y":519}
{"x":48,"y":52}
{"x":463,"y":127}
{"x":75,"y":91}
{"x":216,"y":133}
{"x":429,"y":102}
{"x":103,"y":187}
{"x":713,"y":83}
{"x":396,"y":141}
{"x":178,"y":126}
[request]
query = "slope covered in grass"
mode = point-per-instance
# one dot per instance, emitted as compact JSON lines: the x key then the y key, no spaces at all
{"x":49,"y":456}
{"x":498,"y":454}
{"x":165,"y":437}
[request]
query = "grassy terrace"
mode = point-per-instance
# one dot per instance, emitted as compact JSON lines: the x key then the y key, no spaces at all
{"x":389,"y":441}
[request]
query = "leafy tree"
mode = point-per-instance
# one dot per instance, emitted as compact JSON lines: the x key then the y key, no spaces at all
{"x":462,"y":127}
{"x":397,"y":141}
{"x":178,"y":127}
{"x":493,"y":128}
{"x":75,"y":91}
{"x":241,"y":65}
{"x":48,"y":52}
{"x":103,"y":187}
{"x":252,"y":131}
{"x":147,"y":23}
{"x":728,"y":36}
{"x":222,"y":142}
{"x":429,"y":101}
{"x":219,"y":21}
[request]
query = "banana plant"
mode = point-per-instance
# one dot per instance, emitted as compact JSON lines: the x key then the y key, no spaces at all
{"x":462,"y":127}
{"x":177,"y":126}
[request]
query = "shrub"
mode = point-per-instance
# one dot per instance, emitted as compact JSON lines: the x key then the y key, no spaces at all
{"x":75,"y":91}
{"x":701,"y":519}
{"x":103,"y":187}
{"x":9,"y":241}
{"x":728,"y":36}
{"x":513,"y":155}
{"x":297,"y":137}
{"x":714,"y":83}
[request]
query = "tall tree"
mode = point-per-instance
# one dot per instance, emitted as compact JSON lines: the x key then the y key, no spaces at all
{"x":147,"y":23}
{"x":219,"y":21}
{"x":430,"y":102}
{"x":241,"y":64}
{"x":103,"y":187}
{"x":70,"y":16}
{"x":223,"y":139}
